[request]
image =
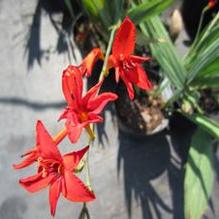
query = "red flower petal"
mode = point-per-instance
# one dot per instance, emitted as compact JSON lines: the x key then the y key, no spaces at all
{"x":124,"y":42}
{"x":139,"y":59}
{"x":45,"y":144}
{"x":111,"y":62}
{"x":97,"y":104}
{"x":90,"y":60}
{"x":74,"y":131}
{"x":91,"y":93}
{"x":117,"y":73}
{"x":54,"y":194}
{"x":131,"y":76}
{"x":71,"y":160}
{"x":129,"y":88}
{"x":64,"y":114}
{"x":30,"y":159}
{"x":74,"y":126}
{"x":143,"y":81}
{"x":36,"y":182}
{"x":93,"y":118}
{"x":72,"y":85}
{"x":75,"y":190}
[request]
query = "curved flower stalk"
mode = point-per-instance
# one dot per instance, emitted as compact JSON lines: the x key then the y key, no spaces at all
{"x":55,"y":171}
{"x":127,"y":66}
{"x":82,"y":110}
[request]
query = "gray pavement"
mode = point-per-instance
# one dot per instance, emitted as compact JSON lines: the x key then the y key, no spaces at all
{"x":132,"y":177}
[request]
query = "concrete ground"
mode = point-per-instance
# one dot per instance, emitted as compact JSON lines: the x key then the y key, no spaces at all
{"x":132,"y":177}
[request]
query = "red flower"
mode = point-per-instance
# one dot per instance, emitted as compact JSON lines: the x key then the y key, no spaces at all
{"x":32,"y":155}
{"x":89,"y":61}
{"x":81,"y":110}
{"x":57,"y":172}
{"x":127,"y":66}
{"x":211,"y":3}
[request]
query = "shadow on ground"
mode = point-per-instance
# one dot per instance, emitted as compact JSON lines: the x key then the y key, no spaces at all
{"x":150,"y":158}
{"x":63,"y":27}
{"x":19,"y":207}
{"x":109,"y":85}
{"x":36,"y":106}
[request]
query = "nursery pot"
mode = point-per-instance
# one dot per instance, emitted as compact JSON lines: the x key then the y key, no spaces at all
{"x":142,"y":116}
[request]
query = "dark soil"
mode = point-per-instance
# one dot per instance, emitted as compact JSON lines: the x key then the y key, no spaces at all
{"x":142,"y":115}
{"x":209,"y":101}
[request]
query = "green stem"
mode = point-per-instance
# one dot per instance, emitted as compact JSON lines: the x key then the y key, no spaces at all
{"x":192,"y":53}
{"x":195,"y":42}
{"x":103,"y":74}
{"x":88,"y":178}
{"x":200,"y":25}
{"x":109,"y":47}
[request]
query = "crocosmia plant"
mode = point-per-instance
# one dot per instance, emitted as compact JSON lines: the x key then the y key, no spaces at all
{"x":185,"y":88}
{"x":57,"y":171}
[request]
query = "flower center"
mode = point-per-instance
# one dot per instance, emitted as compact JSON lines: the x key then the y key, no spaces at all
{"x":126,"y":64}
{"x":83,"y":116}
{"x":48,"y":166}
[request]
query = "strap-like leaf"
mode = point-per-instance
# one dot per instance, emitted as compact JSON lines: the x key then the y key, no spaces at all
{"x":202,"y":58}
{"x":206,"y":123}
{"x":148,"y":9}
{"x":164,"y":51}
{"x":207,"y":82}
{"x":199,"y":175}
{"x":95,"y":9}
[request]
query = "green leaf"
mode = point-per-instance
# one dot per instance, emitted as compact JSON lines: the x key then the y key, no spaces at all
{"x":70,"y":9}
{"x":96,"y":10}
{"x":206,"y":123}
{"x":104,"y":13}
{"x":164,"y":51}
{"x":210,"y":70}
{"x":93,"y":7}
{"x":204,"y":60}
{"x":199,"y":175}
{"x":208,"y":35}
{"x":148,"y":9}
{"x":207,"y":82}
{"x":115,"y":9}
{"x":204,"y":52}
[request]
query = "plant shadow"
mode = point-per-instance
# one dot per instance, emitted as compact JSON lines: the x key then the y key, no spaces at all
{"x":64,"y":28}
{"x":109,"y":85}
{"x":35,"y":106}
{"x":153,"y":172}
